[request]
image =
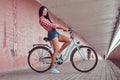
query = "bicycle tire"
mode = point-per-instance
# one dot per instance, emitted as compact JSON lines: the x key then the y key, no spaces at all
{"x":76,"y":65}
{"x":31,"y":55}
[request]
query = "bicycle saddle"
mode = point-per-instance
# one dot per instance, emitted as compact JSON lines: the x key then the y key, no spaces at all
{"x":46,"y":39}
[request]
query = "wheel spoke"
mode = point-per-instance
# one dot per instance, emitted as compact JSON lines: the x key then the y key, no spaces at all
{"x":88,"y":62}
{"x":40,"y":59}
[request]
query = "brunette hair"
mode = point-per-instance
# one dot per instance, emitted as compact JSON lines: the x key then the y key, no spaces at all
{"x":41,"y":12}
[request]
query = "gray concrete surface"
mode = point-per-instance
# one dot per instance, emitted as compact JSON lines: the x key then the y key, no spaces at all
{"x":105,"y":70}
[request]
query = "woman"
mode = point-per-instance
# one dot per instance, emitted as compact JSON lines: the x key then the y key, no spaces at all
{"x":53,"y":35}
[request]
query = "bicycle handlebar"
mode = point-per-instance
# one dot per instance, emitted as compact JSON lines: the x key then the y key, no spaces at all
{"x":71,"y":33}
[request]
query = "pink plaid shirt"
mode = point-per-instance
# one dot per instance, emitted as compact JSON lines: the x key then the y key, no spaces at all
{"x":46,"y":24}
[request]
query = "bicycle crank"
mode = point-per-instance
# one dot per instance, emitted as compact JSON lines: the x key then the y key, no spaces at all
{"x":59,"y":61}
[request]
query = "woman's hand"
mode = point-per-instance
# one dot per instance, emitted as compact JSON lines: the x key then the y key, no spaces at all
{"x":65,"y":29}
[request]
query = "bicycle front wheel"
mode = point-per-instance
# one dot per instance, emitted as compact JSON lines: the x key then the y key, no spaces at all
{"x":39,"y":59}
{"x":84,"y":59}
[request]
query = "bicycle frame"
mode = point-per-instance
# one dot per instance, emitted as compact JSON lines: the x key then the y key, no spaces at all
{"x":68,"y":50}
{"x":70,"y":47}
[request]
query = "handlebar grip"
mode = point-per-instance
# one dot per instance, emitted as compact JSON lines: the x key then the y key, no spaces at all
{"x":69,"y":29}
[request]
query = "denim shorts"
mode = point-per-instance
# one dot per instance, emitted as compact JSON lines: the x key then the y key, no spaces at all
{"x":53,"y":34}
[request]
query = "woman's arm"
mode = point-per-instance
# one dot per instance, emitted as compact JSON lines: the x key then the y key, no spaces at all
{"x":63,"y":28}
{"x":47,"y":24}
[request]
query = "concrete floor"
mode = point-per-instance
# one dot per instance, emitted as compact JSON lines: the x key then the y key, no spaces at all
{"x":105,"y":70}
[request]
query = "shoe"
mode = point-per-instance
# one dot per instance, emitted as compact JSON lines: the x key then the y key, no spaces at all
{"x":59,"y":55}
{"x":53,"y":70}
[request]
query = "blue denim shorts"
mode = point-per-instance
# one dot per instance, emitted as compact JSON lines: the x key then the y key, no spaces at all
{"x":53,"y":34}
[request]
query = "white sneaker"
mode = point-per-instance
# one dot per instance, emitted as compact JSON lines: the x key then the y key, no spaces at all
{"x":53,"y":70}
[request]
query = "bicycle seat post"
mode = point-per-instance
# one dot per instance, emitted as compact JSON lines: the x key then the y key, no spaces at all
{"x":46,"y":39}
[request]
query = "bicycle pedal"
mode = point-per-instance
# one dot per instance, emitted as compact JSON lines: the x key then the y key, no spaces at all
{"x":59,"y":61}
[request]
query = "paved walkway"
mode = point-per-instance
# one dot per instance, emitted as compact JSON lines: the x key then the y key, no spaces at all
{"x":105,"y":70}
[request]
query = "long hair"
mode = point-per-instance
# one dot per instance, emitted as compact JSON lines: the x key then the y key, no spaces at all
{"x":41,"y":12}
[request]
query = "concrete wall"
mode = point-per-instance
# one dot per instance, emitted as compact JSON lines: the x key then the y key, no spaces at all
{"x":115,"y":56}
{"x":19,"y":30}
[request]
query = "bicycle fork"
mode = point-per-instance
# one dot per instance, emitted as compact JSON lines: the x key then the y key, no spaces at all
{"x":78,"y":49}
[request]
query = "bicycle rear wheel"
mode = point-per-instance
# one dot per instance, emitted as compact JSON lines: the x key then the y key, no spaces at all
{"x":85,"y":59}
{"x":39,"y":59}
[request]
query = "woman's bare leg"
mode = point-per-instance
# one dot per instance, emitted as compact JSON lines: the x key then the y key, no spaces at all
{"x":66,"y":40}
{"x":55,"y":44}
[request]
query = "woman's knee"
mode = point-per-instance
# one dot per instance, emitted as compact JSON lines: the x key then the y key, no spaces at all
{"x":69,"y":40}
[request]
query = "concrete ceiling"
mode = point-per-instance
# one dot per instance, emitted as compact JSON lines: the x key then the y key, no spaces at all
{"x":92,"y":19}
